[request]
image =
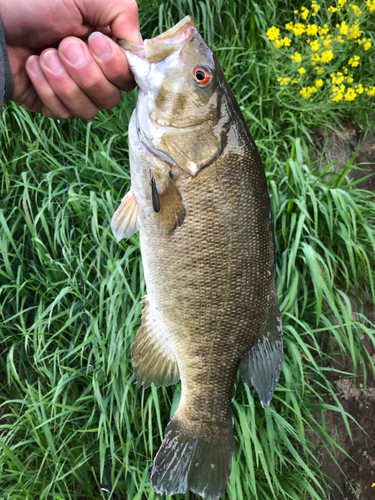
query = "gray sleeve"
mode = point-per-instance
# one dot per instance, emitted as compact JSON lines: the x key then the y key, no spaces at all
{"x":6,"y":83}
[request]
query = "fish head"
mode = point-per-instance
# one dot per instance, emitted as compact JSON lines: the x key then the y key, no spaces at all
{"x":178,"y":105}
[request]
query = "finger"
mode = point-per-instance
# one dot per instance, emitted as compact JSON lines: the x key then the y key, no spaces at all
{"x":111,"y":60}
{"x":48,"y":104}
{"x":63,"y":85}
{"x":79,"y":63}
{"x":120,"y":15}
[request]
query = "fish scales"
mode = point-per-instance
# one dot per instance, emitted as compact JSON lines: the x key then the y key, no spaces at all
{"x":208,"y":259}
{"x":199,"y":277}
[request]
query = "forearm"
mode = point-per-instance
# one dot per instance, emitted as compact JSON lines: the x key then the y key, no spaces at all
{"x":6,"y":83}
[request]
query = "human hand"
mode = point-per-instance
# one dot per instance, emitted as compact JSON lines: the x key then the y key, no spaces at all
{"x":78,"y":77}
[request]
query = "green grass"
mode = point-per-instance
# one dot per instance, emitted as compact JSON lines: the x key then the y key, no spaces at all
{"x":57,"y":416}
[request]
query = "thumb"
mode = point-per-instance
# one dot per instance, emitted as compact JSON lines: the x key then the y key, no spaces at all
{"x":120,"y":15}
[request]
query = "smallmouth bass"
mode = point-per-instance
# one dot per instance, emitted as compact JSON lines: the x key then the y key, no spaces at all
{"x":199,"y":199}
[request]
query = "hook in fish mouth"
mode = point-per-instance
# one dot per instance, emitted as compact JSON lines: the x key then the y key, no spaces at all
{"x":158,"y":48}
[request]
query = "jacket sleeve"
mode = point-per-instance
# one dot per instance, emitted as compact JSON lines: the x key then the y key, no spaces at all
{"x":6,"y":83}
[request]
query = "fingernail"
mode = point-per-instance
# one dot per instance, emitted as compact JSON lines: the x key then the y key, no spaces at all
{"x":52,"y":61}
{"x":99,"y":45}
{"x":74,"y":53}
{"x":33,"y":65}
{"x":140,"y":39}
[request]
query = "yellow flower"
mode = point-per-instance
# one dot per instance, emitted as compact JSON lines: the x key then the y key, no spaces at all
{"x":367,"y":45}
{"x":304,"y":12}
{"x":333,"y":77}
{"x":301,"y":71}
{"x":298,"y":29}
{"x":327,"y":41}
{"x":315,"y":7}
{"x":332,"y":9}
{"x":273,"y":33}
{"x":356,"y":9}
{"x":359,"y":88}
{"x":327,"y":56}
{"x":371,"y":92}
{"x":349,"y":79}
{"x":286,"y":41}
{"x":307,"y":91}
{"x":289,"y":26}
{"x":339,"y":39}
{"x":371,"y":5}
{"x":296,"y":57}
{"x":314,"y":45}
{"x":315,"y":57}
{"x":354,"y":61}
{"x":338,"y":97}
{"x":312,"y":29}
{"x":345,"y":70}
{"x":283,"y":81}
{"x":350,"y":95}
{"x":318,"y":83}
{"x":296,"y":11}
{"x":320,"y":70}
{"x":323,"y":31}
{"x":341,"y":3}
{"x":338,"y":93}
{"x":344,"y":28}
{"x":340,"y":79}
{"x":354,"y":31}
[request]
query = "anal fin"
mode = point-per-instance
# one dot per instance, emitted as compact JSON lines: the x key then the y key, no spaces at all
{"x":261,"y":366}
{"x":125,"y":221}
{"x":153,"y":358}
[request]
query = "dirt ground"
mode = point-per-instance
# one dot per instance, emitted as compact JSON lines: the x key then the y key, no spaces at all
{"x":358,"y":464}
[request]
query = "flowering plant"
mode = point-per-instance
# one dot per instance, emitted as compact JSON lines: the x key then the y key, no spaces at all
{"x":325,"y":53}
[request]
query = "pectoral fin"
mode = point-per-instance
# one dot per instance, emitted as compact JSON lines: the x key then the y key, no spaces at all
{"x":171,"y":209}
{"x":261,"y":366}
{"x":153,"y":356}
{"x":125,"y":221}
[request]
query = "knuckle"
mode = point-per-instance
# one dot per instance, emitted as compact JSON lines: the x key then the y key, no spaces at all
{"x":112,"y":101}
{"x":95,"y":83}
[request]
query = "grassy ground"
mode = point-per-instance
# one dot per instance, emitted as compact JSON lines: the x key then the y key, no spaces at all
{"x":64,"y":289}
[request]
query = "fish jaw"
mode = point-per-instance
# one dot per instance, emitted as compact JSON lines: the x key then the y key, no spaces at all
{"x":158,"y":48}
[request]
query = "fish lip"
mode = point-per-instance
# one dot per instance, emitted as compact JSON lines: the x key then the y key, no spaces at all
{"x":160,"y":47}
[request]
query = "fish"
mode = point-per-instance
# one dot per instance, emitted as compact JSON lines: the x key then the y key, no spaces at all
{"x":199,"y":200}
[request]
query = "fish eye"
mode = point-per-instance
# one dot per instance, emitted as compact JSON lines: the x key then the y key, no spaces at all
{"x":201,"y":75}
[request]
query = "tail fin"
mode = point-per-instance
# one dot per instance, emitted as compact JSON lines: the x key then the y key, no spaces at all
{"x":195,"y":461}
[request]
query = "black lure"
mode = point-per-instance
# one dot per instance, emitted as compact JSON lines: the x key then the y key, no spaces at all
{"x":155,"y":196}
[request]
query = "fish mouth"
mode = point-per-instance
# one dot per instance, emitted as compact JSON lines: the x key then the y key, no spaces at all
{"x":160,"y":47}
